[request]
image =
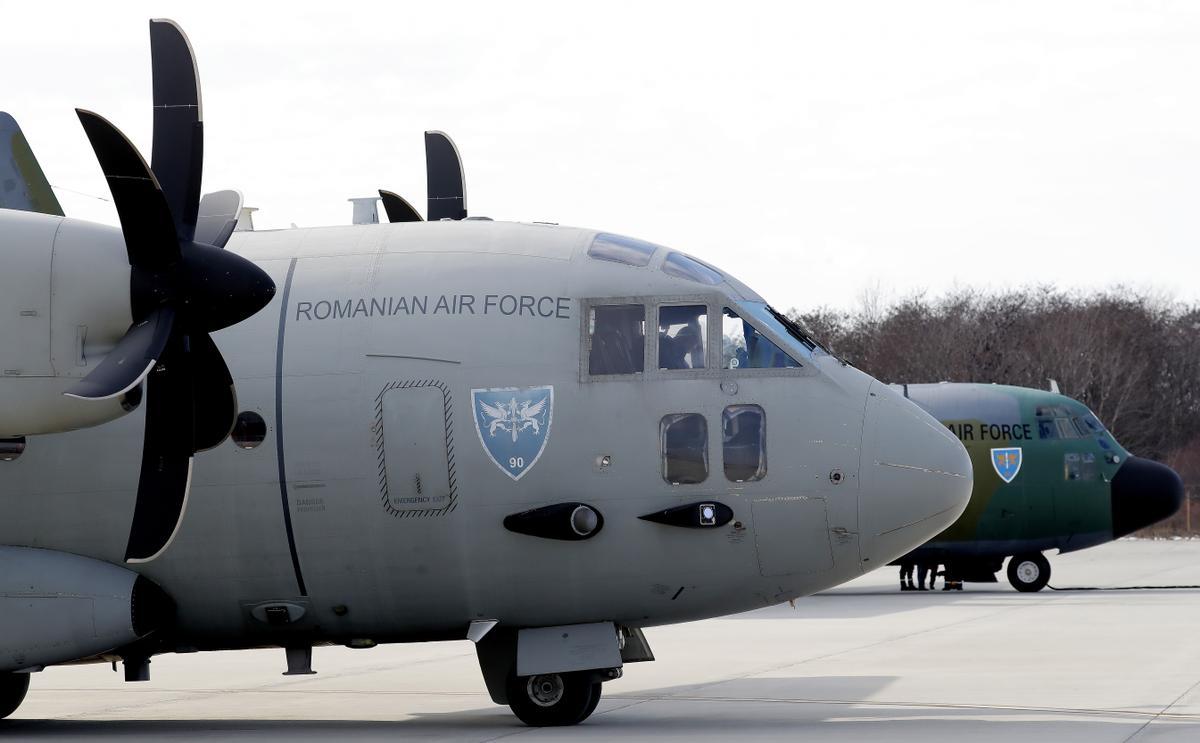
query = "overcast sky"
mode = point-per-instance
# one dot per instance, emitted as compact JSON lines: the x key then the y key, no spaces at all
{"x":814,"y":150}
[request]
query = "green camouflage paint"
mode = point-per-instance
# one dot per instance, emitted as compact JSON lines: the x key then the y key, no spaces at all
{"x":1060,"y":496}
{"x":23,"y":185}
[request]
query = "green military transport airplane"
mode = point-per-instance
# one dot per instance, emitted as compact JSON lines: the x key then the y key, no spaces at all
{"x":1048,"y":475}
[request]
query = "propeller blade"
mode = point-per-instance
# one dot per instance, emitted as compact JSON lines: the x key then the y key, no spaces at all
{"x":214,"y":398}
{"x":130,"y":361}
{"x":177,"y":157}
{"x":146,"y":223}
{"x":166,"y":475}
{"x":218,"y":217}
{"x":397,"y":207}
{"x":447,"y":190}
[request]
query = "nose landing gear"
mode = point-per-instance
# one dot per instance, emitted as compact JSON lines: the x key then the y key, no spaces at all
{"x":553,"y":699}
{"x":1029,"y":572}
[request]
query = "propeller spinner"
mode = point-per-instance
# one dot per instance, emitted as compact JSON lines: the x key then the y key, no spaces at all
{"x":180,"y":290}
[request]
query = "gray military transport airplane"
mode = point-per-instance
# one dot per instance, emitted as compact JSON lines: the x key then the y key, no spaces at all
{"x":1078,"y":487}
{"x":441,"y":430}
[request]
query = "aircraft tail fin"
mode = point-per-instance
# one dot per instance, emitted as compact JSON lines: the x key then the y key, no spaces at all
{"x":23,"y":185}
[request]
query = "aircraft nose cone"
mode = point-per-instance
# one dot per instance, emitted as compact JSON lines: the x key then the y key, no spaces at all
{"x":916,"y":477}
{"x":1143,"y":493}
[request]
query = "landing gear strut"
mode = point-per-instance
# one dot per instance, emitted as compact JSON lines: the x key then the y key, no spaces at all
{"x":12,"y":692}
{"x":553,"y":699}
{"x":1029,"y":572}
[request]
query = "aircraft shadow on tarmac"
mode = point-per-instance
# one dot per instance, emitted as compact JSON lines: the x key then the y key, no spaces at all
{"x":850,"y":604}
{"x":843,"y":605}
{"x":831,"y":707}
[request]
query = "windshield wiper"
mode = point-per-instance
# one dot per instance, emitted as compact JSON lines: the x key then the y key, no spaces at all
{"x":796,"y":331}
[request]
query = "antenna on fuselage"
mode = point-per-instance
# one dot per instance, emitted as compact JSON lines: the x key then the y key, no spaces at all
{"x":245,"y":222}
{"x":1054,"y":386}
{"x":366,"y":209}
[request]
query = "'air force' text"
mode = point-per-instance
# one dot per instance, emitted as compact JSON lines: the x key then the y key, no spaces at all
{"x":513,"y":305}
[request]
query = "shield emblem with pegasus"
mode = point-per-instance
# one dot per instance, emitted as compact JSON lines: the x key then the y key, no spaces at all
{"x":1007,"y":462}
{"x":513,"y":424}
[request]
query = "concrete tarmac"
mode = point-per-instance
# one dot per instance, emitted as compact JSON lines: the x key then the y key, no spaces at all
{"x":861,"y":662}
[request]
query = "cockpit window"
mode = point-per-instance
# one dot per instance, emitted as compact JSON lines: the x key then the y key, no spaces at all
{"x":1058,"y":422}
{"x":684,"y":448}
{"x":683,"y":267}
{"x":620,"y":249}
{"x":1067,"y":428}
{"x":618,"y":339}
{"x":682,"y":334}
{"x":744,"y":429}
{"x":743,"y":347}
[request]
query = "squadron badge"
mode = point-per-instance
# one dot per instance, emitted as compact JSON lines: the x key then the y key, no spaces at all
{"x":513,"y":424}
{"x":1007,"y":462}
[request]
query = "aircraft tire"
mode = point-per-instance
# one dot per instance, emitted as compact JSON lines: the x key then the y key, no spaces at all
{"x":13,"y":687}
{"x":553,"y":699}
{"x":1029,"y":573}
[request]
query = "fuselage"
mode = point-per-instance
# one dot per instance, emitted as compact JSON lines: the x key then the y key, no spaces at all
{"x":374,"y":505}
{"x":1048,"y":474}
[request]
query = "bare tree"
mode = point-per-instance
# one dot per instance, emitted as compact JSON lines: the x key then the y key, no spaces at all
{"x":1134,"y":359}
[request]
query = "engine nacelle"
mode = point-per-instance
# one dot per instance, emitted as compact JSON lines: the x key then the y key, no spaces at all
{"x":56,"y":607}
{"x":64,"y":304}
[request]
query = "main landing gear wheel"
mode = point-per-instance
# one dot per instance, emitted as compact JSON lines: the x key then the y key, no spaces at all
{"x":553,"y":699}
{"x":12,"y":692}
{"x":1029,"y":572}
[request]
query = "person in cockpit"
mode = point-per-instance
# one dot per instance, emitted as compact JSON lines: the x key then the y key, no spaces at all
{"x":685,"y":348}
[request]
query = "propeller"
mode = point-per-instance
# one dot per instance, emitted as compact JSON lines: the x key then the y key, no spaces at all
{"x":445,"y":181}
{"x":218,"y":217}
{"x":444,"y":178}
{"x":180,"y":291}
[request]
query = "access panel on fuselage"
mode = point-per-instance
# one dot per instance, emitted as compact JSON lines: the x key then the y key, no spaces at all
{"x":412,"y":440}
{"x":792,"y":535}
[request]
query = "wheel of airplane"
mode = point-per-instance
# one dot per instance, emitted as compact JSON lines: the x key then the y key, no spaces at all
{"x":1029,"y":572}
{"x":553,"y":699}
{"x":13,"y":687}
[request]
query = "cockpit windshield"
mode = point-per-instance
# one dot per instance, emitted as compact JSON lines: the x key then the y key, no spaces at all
{"x":743,"y":347}
{"x":801,"y":345}
{"x":1092,"y":422}
{"x":1067,"y":422}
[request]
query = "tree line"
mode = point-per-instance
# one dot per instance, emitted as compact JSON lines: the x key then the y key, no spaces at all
{"x":1132,"y":357}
